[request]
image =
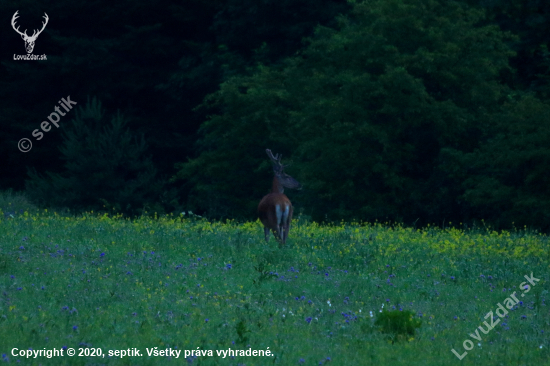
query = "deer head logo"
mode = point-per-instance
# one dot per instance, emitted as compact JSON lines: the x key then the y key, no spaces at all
{"x":29,"y":41}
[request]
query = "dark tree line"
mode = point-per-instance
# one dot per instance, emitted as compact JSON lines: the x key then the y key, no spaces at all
{"x":406,"y":110}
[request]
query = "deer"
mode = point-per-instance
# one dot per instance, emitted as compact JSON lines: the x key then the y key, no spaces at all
{"x":29,"y":41}
{"x":275,"y":209}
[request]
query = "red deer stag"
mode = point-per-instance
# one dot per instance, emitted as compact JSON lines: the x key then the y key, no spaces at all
{"x":275,"y":209}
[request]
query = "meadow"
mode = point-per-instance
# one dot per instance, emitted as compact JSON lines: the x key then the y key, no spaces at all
{"x":97,"y":283}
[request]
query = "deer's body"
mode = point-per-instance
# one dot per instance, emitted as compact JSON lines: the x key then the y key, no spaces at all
{"x":275,"y":209}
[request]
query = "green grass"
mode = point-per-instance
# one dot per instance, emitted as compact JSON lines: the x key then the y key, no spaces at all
{"x":106,"y":282}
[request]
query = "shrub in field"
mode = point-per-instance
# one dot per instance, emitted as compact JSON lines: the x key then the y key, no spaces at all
{"x":398,"y":324}
{"x":13,"y":203}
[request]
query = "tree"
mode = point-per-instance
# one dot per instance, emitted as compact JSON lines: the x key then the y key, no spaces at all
{"x":507,"y":177}
{"x":365,"y":111}
{"x":105,"y":167}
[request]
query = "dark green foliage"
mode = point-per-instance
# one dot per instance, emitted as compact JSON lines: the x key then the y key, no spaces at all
{"x":397,"y":323}
{"x":242,"y":331}
{"x":117,"y":52}
{"x":365,"y":111}
{"x":530,"y":20}
{"x":507,"y":180}
{"x":15,"y":203}
{"x":155,"y":60}
{"x":402,"y":109}
{"x":105,"y":167}
{"x":265,"y":31}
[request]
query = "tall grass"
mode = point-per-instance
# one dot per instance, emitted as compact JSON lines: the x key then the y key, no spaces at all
{"x":183,"y":283}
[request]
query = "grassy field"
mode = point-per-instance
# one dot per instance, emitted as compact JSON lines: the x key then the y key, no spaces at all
{"x":97,"y":284}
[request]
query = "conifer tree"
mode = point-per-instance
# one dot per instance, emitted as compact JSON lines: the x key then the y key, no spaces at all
{"x":105,"y":167}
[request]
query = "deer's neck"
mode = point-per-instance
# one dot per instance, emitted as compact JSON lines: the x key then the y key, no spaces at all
{"x":277,"y":187}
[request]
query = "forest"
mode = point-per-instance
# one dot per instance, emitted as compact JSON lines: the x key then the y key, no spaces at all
{"x":410,"y":111}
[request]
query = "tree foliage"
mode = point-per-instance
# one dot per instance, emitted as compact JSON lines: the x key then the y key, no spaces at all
{"x":506,"y":180}
{"x":365,"y":111}
{"x":399,"y":109}
{"x":105,"y":167}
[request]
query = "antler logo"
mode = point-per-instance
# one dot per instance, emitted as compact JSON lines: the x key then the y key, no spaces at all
{"x":29,"y":41}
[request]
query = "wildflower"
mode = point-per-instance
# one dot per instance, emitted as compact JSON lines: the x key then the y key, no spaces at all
{"x":308,"y":320}
{"x":228,"y":266}
{"x":328,"y":302}
{"x":102,"y":255}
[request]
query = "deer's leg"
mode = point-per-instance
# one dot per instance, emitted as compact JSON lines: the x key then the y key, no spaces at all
{"x":266,"y":233}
